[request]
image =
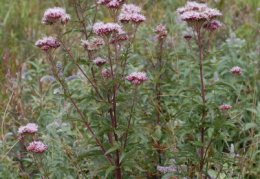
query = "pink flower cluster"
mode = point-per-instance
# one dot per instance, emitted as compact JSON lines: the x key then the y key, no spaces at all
{"x":122,"y":37}
{"x":37,"y":147}
{"x":137,"y":77}
{"x":47,"y":43}
{"x":99,"y":61}
{"x":131,"y":12}
{"x":224,"y":107}
{"x":161,"y":32}
{"x":54,"y":15}
{"x":236,"y":70}
{"x":113,"y":4}
{"x":213,"y":25}
{"x":30,"y":128}
{"x":95,"y":44}
{"x":194,"y":11}
{"x":105,"y":73}
{"x":101,"y":28}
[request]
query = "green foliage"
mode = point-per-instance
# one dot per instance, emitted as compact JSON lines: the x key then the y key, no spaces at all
{"x":72,"y":149}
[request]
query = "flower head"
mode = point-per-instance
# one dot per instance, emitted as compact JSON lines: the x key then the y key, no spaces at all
{"x":30,"y":128}
{"x":130,"y":9}
{"x":47,"y":43}
{"x":131,"y":12}
{"x":101,"y":28}
{"x":187,"y":37}
{"x":122,"y":37}
{"x":213,"y":25}
{"x":105,"y":73}
{"x":138,"y":18}
{"x":236,"y":70}
{"x":95,"y":44}
{"x":37,"y":147}
{"x":224,"y":107}
{"x":54,"y":15}
{"x":99,"y":61}
{"x":194,"y":11}
{"x":161,"y":32}
{"x":112,"y":4}
{"x":137,"y":77}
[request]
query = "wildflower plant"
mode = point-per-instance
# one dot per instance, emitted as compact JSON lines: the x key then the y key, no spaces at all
{"x":107,"y":47}
{"x":119,"y":94}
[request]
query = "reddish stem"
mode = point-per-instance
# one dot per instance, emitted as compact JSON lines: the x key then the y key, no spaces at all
{"x":130,"y":117}
{"x":75,"y":105}
{"x":204,"y":101}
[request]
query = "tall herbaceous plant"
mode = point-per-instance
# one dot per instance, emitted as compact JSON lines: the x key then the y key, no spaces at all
{"x":107,"y":47}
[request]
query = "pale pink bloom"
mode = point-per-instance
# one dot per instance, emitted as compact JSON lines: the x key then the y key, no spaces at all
{"x":130,"y":9}
{"x":212,"y":13}
{"x":98,"y":42}
{"x":122,"y":37}
{"x":175,"y":150}
{"x":47,"y":43}
{"x":193,"y":16}
{"x":64,"y":19}
{"x":103,"y":2}
{"x":37,"y":147}
{"x":53,"y":15}
{"x":131,"y":12}
{"x":101,"y":28}
{"x":224,"y":107}
{"x":94,"y":45}
{"x":236,"y":70}
{"x":30,"y":128}
{"x":21,"y":137}
{"x":137,"y":77}
{"x":124,"y":17}
{"x":192,"y":6}
{"x":161,"y":32}
{"x":138,"y":18}
{"x":213,"y":25}
{"x":99,"y":61}
{"x":105,"y":73}
{"x":197,"y":12}
{"x":113,"y":4}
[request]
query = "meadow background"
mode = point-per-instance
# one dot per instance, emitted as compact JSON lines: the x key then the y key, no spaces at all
{"x":25,"y":99}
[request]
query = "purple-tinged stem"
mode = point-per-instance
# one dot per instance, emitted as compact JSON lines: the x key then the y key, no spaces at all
{"x":130,"y":117}
{"x":81,"y":115}
{"x":204,"y":101}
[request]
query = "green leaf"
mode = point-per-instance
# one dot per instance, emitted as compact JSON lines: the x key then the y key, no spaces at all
{"x":112,"y":149}
{"x":197,"y":143}
{"x":221,"y":83}
{"x":109,"y":170}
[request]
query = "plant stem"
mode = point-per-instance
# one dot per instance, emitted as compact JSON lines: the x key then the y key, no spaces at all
{"x":37,"y":164}
{"x":204,"y":101}
{"x":82,"y":71}
{"x":129,"y":120}
{"x":43,"y":168}
{"x":75,"y":105}
{"x":158,"y":84}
